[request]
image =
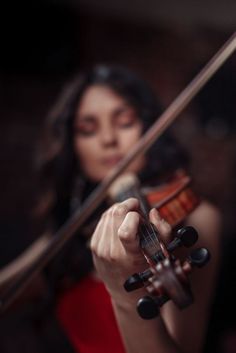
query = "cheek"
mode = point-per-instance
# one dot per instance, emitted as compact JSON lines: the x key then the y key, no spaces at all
{"x":130,"y":138}
{"x":86,"y":153}
{"x":84,"y":150}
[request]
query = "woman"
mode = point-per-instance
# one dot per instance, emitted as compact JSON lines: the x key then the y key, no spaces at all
{"x":98,"y":120}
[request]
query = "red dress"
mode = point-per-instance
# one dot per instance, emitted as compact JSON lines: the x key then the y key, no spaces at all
{"x":86,"y":315}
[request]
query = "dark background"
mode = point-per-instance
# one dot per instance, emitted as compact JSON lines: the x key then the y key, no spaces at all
{"x":42,"y":44}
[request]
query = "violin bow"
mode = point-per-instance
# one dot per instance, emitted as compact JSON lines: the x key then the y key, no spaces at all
{"x":62,"y":236}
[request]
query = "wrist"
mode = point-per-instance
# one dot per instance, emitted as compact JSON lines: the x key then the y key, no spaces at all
{"x":127,"y":300}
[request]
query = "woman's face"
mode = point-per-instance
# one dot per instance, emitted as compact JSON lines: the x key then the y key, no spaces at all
{"x":106,"y":127}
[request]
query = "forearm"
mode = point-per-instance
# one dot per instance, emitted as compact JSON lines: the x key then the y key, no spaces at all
{"x":142,"y":336}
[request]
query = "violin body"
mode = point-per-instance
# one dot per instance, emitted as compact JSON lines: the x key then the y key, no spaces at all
{"x":174,"y":200}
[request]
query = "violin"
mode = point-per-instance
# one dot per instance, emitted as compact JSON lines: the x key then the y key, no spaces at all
{"x":64,"y":234}
{"x":167,"y":278}
{"x":174,"y":200}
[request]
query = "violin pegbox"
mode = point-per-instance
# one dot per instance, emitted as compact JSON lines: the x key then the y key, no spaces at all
{"x":168,"y":278}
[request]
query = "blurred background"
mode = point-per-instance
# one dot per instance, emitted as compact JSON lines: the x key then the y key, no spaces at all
{"x":43,"y":43}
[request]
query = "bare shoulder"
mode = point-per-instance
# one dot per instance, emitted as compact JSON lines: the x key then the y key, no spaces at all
{"x":207,"y":220}
{"x":205,"y":213}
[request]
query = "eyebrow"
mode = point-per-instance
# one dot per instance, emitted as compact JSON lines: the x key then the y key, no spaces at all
{"x":120,"y":110}
{"x":90,"y":117}
{"x":84,"y":118}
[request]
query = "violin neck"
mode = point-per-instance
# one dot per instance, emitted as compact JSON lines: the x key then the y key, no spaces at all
{"x":148,"y":235}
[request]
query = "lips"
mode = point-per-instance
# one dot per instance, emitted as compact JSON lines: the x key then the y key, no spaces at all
{"x":111,"y":161}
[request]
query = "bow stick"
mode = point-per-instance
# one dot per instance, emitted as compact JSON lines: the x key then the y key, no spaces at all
{"x":61,"y":237}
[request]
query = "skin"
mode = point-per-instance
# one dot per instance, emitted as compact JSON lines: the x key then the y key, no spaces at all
{"x":118,"y":256}
{"x":106,"y":127}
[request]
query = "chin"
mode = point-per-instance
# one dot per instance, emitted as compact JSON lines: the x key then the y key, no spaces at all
{"x":98,"y":178}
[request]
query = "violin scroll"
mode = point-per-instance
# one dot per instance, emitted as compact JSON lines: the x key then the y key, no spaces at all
{"x":168,"y":278}
{"x":186,"y":236}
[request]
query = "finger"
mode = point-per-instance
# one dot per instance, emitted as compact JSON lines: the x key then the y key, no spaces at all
{"x":103,"y":228}
{"x":132,"y":203}
{"x":128,"y":230}
{"x":162,"y":226}
{"x":119,"y":210}
{"x":104,"y":239}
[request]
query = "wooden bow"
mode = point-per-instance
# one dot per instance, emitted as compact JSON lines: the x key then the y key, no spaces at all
{"x":56,"y":242}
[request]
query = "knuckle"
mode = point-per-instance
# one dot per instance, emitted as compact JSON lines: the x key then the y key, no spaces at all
{"x":103,"y":216}
{"x":124,"y":232}
{"x":101,"y":253}
{"x":92,"y":247}
{"x":107,"y":212}
{"x":110,"y":210}
{"x":133,"y":199}
{"x":113,"y":257}
{"x":119,"y":210}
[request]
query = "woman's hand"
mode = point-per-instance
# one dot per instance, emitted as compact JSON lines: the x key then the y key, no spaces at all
{"x":115,"y":245}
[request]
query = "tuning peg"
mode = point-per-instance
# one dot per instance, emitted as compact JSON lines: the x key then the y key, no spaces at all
{"x":137,"y":280}
{"x":148,"y":307}
{"x":199,"y":257}
{"x":186,"y":236}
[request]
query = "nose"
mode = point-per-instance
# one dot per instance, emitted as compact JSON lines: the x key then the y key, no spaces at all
{"x":108,"y":136}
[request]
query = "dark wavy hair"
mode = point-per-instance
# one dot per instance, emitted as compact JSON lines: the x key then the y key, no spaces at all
{"x":58,"y":164}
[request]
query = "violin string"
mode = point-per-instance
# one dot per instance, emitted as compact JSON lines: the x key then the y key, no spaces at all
{"x":133,"y":192}
{"x":155,"y":232}
{"x":150,"y":237}
{"x":126,"y":193}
